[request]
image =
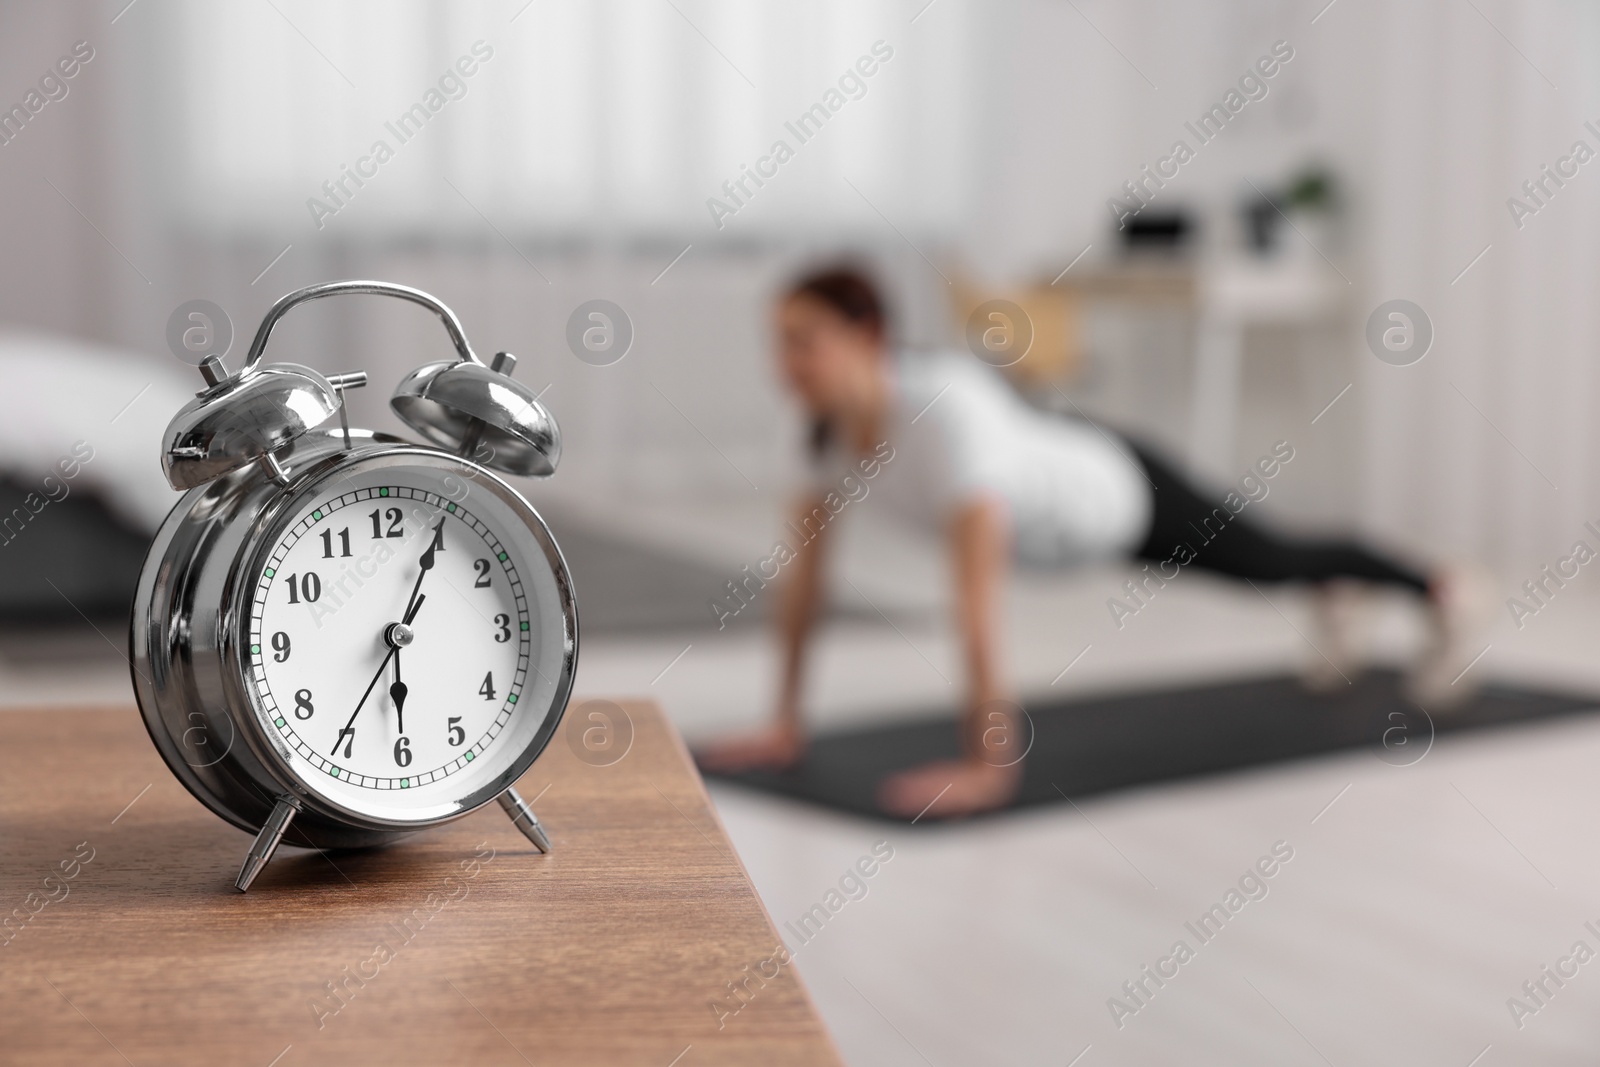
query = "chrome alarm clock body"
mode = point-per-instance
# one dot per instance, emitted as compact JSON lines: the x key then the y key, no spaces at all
{"x":241,"y":703}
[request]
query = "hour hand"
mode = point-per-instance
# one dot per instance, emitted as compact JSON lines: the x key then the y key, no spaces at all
{"x":397,"y":693}
{"x":397,"y":637}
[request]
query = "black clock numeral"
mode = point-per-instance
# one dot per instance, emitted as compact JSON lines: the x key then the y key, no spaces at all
{"x":302,"y":704}
{"x":457,"y":734}
{"x":504,"y":622}
{"x":438,"y":536}
{"x":486,"y":690}
{"x":396,"y":523}
{"x":327,"y":543}
{"x":402,"y":752}
{"x":309,"y":587}
{"x":280,"y":646}
{"x":348,"y":736}
{"x":482,"y":567}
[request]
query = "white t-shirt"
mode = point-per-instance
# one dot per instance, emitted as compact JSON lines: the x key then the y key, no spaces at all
{"x":960,"y":432}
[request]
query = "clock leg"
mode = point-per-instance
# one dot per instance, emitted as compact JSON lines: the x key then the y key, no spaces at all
{"x":266,"y":842}
{"x":525,"y":819}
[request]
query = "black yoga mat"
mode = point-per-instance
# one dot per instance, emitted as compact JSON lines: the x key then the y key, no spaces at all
{"x":1097,"y":745}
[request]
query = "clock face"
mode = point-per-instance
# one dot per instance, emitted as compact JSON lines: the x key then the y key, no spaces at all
{"x":405,"y":638}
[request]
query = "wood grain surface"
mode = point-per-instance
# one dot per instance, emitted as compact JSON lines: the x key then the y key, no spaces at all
{"x":126,"y":943}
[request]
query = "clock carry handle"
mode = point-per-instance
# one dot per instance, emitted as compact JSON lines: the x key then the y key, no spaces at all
{"x":452,"y":325}
{"x":460,"y":405}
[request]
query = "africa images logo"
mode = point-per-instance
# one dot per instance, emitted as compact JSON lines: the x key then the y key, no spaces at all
{"x":452,"y":85}
{"x":852,"y":85}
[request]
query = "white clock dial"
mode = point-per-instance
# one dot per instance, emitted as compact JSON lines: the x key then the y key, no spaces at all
{"x":394,"y":639}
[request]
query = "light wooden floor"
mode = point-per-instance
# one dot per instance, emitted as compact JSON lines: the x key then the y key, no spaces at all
{"x":1413,"y":908}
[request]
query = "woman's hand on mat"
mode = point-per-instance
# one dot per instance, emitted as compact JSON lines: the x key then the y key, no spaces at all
{"x":949,"y":789}
{"x":776,"y":748}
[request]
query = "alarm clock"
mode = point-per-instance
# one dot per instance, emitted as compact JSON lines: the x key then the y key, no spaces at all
{"x":343,"y":631}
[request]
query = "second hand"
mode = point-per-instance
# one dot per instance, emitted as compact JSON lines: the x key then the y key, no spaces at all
{"x":349,"y":725}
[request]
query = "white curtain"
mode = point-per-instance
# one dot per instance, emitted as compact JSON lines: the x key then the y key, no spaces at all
{"x":1487,"y":445}
{"x":611,"y":118}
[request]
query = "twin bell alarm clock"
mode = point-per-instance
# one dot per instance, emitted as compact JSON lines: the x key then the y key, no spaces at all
{"x":342,"y":631}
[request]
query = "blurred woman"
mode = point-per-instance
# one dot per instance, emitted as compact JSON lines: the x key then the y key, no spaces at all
{"x":952,"y":447}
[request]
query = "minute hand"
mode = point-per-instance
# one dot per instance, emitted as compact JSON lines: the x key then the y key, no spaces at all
{"x":426,"y":563}
{"x":410,"y":614}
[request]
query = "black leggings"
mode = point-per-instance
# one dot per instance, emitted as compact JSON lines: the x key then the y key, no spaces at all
{"x":1187,"y":527}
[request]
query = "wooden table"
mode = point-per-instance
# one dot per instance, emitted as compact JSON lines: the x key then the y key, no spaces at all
{"x":613,"y":949}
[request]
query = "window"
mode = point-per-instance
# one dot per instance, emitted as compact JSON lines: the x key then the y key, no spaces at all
{"x":610,"y":118}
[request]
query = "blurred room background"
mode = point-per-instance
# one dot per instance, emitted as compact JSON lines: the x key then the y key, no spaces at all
{"x":983,"y":159}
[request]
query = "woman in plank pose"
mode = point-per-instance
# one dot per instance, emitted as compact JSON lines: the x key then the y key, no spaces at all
{"x":1003,"y":482}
